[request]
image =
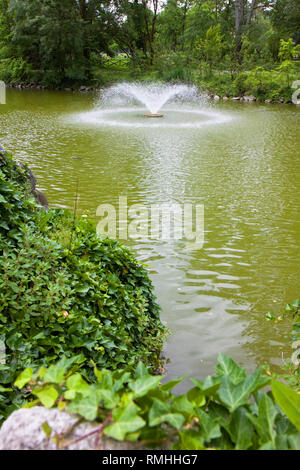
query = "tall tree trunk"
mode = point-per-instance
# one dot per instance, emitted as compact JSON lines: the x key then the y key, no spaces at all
{"x":250,"y":12}
{"x":83,"y":7}
{"x":184,"y":22}
{"x":239,"y":20}
{"x":150,"y":30}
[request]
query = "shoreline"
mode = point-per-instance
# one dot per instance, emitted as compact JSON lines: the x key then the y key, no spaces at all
{"x":85,"y":89}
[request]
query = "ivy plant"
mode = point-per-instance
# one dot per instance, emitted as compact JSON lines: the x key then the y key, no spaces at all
{"x":65,"y":292}
{"x":229,"y":410}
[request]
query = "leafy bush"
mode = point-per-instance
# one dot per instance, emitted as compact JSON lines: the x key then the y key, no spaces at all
{"x":228,"y":410}
{"x":63,"y":291}
{"x":291,"y":369}
{"x":14,"y":70}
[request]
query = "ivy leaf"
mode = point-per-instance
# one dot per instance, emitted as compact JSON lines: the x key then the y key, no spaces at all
{"x":125,"y":377}
{"x":210,"y":427}
{"x":294,"y":441}
{"x":47,"y":395}
{"x":183,"y":405}
{"x":24,"y":377}
{"x":268,"y":446}
{"x":210,"y":385}
{"x":265,"y":422}
{"x":76,"y":383}
{"x":54,"y":374}
{"x":3,"y":389}
{"x":189,"y":440}
{"x":196,"y":396}
{"x":47,"y":429}
{"x":126,"y":420}
{"x":109,"y":397}
{"x":141,"y":386}
{"x":240,"y":429}
{"x":167,"y":387}
{"x":161,"y":413}
{"x":237,"y":395}
{"x":141,"y":370}
{"x":288,"y":400}
{"x":86,"y":406}
{"x":228,"y":367}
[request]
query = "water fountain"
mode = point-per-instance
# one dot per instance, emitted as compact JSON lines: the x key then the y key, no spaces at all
{"x":152,"y":95}
{"x":126,"y":105}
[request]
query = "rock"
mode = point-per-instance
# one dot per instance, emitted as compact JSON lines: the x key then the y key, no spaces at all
{"x":38,"y":195}
{"x":225,"y":98}
{"x":249,"y":98}
{"x":68,"y":89}
{"x":235,"y":98}
{"x":2,"y":151}
{"x":216,"y":98}
{"x":23,"y":431}
{"x":268,"y":101}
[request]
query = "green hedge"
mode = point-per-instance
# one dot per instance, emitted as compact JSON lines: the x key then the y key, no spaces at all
{"x":63,"y":291}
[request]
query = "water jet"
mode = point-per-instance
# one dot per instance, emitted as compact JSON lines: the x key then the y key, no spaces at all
{"x":128,"y":104}
{"x":153,"y":96}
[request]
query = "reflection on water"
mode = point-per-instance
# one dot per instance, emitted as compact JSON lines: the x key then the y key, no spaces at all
{"x":244,"y":167}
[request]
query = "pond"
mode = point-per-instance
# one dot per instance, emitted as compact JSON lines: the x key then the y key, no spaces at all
{"x":240,"y":160}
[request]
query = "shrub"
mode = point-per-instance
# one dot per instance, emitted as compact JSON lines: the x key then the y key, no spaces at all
{"x":63,"y":291}
{"x":14,"y":70}
{"x":227,"y":411}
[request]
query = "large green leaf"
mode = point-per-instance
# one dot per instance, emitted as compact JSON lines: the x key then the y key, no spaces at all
{"x":240,"y":429}
{"x":227,"y":366}
{"x":210,"y":427}
{"x":237,"y":395}
{"x":47,"y":395}
{"x":76,"y":383}
{"x":86,"y":406}
{"x":167,"y":387}
{"x":288,"y":400}
{"x":145,"y":383}
{"x":183,"y":405}
{"x":109,"y":398}
{"x":294,"y":441}
{"x":264,"y":423}
{"x":161,"y":413}
{"x":126,"y":420}
{"x":54,"y":374}
{"x":189,"y":440}
{"x":210,"y":385}
{"x":24,"y":377}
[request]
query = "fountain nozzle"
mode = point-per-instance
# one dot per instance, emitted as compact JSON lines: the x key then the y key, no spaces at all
{"x":153,"y":115}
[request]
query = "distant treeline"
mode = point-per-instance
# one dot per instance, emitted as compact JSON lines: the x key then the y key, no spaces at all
{"x":54,"y":42}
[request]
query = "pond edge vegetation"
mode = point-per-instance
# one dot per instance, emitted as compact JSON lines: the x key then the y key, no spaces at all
{"x":82,"y":333}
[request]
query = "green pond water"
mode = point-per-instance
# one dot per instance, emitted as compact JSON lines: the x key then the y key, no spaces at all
{"x":242,"y":161}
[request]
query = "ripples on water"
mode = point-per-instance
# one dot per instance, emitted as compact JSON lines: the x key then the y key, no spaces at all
{"x":244,"y":167}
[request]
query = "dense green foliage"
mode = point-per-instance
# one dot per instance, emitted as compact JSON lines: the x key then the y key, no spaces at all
{"x":291,"y":369}
{"x":228,"y":47}
{"x":64,"y":292}
{"x":228,"y":410}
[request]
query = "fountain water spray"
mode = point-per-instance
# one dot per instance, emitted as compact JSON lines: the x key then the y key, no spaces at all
{"x":152,"y":95}
{"x":123,"y":106}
